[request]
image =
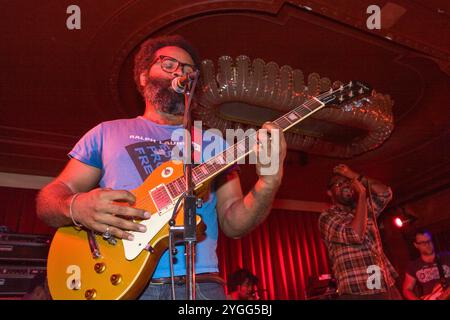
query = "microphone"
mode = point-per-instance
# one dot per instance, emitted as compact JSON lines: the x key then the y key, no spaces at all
{"x":179,"y":83}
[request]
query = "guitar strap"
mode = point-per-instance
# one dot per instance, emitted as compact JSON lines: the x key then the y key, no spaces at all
{"x":442,"y":279}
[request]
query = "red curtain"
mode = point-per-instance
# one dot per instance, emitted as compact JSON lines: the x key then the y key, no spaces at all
{"x":18,"y":212}
{"x":284,"y":252}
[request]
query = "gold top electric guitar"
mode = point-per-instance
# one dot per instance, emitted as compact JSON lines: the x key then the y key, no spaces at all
{"x":82,"y":265}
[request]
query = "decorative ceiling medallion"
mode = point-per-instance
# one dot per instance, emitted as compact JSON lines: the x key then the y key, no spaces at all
{"x":244,"y":94}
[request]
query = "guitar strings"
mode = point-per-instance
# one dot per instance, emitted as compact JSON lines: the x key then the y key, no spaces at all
{"x":213,"y":161}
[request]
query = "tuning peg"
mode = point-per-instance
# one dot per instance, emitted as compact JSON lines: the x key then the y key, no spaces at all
{"x":348,"y":107}
{"x":357,"y":104}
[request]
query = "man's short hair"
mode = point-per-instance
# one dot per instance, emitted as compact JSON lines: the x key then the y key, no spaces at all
{"x":146,"y":54}
{"x":239,"y":277}
{"x":421,"y":231}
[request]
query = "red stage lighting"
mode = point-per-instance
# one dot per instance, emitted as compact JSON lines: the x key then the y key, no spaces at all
{"x":398,"y":222}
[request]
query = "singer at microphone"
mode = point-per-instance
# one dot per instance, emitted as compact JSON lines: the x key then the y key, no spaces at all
{"x":179,"y":83}
{"x":350,"y":231}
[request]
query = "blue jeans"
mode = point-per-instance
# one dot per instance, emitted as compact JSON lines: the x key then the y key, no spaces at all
{"x":204,"y":291}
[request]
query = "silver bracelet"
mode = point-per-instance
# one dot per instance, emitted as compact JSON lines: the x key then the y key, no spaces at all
{"x":71,"y":212}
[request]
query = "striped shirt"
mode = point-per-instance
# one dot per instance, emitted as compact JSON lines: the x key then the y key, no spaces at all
{"x":355,"y":259}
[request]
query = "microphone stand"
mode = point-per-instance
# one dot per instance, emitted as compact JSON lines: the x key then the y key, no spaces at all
{"x":190,"y":200}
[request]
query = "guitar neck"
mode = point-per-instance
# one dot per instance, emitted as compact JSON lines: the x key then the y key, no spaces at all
{"x":241,"y":149}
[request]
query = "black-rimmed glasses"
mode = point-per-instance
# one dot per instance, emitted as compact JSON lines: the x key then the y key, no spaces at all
{"x":428,"y":242}
{"x":169,"y":64}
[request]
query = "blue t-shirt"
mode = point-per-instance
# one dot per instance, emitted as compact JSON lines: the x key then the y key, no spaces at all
{"x":127,"y":151}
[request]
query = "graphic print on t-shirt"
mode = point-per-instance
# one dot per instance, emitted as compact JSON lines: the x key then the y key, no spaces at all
{"x":148,"y":155}
{"x":430,"y":273}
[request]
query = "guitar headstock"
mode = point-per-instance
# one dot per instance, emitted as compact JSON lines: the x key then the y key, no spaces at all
{"x":348,"y":96}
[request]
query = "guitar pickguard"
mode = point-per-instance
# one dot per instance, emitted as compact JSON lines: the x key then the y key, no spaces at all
{"x":141,"y":239}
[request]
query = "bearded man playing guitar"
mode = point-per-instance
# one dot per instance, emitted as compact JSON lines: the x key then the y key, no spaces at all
{"x":117,"y":156}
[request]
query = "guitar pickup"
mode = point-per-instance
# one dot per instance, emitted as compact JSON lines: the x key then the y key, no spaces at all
{"x":161,"y":198}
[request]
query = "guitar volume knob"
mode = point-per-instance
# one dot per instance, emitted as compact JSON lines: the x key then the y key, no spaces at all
{"x":100,"y":267}
{"x":116,"y":279}
{"x":90,"y":294}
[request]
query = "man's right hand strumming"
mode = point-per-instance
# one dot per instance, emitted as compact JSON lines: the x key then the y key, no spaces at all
{"x":107,"y":210}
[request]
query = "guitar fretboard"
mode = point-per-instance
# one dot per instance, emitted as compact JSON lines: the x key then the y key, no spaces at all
{"x":242,"y":148}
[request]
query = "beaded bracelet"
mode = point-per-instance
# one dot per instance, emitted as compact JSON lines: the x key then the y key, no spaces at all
{"x":71,"y":212}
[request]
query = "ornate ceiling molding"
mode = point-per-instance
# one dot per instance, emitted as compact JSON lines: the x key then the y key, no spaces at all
{"x":244,"y":84}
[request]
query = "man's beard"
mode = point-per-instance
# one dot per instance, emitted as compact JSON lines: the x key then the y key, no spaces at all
{"x":160,"y":94}
{"x":348,"y":201}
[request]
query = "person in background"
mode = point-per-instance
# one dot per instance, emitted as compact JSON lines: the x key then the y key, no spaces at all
{"x":349,"y":229}
{"x":243,"y":285}
{"x":426,"y":278}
